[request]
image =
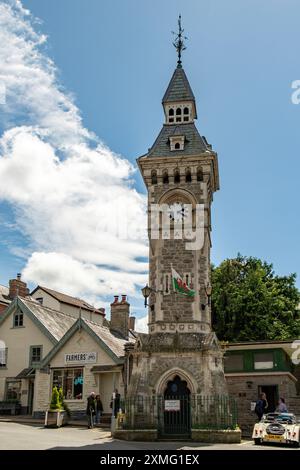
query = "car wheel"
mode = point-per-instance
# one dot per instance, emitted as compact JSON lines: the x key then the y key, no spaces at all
{"x":257,"y":441}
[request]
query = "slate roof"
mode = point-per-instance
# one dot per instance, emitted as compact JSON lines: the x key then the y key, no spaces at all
{"x":194,"y":143}
{"x":4,"y":291}
{"x":57,"y":323}
{"x":179,"y":88}
{"x":68,"y":299}
{"x":115,"y":344}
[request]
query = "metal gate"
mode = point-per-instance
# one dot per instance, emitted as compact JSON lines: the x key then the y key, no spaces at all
{"x":175,"y":409}
{"x":174,"y":414}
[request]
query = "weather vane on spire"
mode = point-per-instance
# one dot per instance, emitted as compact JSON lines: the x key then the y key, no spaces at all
{"x":178,"y":43}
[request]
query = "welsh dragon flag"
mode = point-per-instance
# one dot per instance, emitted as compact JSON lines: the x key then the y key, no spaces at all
{"x":180,"y":286}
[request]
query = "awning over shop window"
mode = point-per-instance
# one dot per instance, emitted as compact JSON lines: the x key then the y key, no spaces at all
{"x":27,"y":373}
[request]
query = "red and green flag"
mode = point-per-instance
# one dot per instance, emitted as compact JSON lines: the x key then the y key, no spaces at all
{"x":180,"y":286}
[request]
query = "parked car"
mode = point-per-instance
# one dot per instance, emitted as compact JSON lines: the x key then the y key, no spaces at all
{"x":281,"y":428}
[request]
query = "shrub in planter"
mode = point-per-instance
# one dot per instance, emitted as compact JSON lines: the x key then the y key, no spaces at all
{"x":56,"y":415}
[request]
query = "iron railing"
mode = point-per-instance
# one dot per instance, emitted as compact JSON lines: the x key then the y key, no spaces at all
{"x":178,"y":415}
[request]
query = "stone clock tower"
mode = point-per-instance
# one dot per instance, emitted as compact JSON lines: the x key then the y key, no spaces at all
{"x":181,"y":354}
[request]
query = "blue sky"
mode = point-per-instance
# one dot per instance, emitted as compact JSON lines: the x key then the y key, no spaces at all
{"x":116,"y":58}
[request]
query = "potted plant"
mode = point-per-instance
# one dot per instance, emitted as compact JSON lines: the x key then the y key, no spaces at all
{"x":56,"y":414}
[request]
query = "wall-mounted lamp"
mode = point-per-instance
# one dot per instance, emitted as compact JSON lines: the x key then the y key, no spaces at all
{"x":146,"y":291}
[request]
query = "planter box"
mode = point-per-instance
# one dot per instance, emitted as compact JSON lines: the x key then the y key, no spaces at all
{"x":55,"y":419}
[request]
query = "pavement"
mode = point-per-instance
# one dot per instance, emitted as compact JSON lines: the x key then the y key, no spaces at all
{"x":21,"y":436}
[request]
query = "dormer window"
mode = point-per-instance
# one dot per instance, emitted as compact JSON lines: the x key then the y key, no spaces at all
{"x":177,"y":143}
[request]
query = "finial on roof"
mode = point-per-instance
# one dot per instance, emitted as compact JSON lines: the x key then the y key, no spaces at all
{"x":178,"y":43}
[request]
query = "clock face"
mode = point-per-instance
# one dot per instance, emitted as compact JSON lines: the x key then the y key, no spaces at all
{"x":177,"y":211}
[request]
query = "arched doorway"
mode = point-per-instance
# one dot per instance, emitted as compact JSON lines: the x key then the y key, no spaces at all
{"x":177,"y":408}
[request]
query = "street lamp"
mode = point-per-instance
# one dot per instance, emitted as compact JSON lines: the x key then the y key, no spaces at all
{"x":146,"y":291}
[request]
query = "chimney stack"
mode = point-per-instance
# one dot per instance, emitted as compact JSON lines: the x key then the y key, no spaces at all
{"x":131,"y":323}
{"x":17,"y":288}
{"x":119,"y":315}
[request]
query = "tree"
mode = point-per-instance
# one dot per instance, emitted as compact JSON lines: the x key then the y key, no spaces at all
{"x":250,"y":302}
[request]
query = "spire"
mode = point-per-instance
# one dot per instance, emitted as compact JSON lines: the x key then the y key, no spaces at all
{"x":178,"y":43}
{"x":179,"y":88}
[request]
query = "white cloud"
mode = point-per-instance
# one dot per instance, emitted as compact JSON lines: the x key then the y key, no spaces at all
{"x":142,"y":324}
{"x":71,"y":194}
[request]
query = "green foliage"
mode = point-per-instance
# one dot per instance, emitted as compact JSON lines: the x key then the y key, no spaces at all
{"x":250,"y":302}
{"x":55,"y":403}
{"x":63,"y":403}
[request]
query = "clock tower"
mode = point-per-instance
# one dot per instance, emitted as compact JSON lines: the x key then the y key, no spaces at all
{"x":181,"y":354}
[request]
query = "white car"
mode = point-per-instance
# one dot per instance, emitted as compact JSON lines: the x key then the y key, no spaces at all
{"x":281,"y":428}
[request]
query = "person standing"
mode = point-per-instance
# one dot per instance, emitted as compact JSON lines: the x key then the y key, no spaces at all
{"x":91,"y":409}
{"x":282,"y":408}
{"x":99,"y":409}
{"x":115,"y":403}
{"x":261,"y":406}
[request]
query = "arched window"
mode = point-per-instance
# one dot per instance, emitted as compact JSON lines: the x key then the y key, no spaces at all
{"x":178,"y":115}
{"x":165,"y":177}
{"x":188,"y":176}
{"x":186,"y":113}
{"x":199,"y":175}
{"x":171,"y":115}
{"x":176,"y":177}
{"x":177,"y":146}
{"x":154,"y":177}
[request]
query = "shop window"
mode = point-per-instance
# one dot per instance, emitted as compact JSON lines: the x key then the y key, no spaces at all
{"x":13,"y":390}
{"x":71,"y":382}
{"x":35,"y":355}
{"x":263,"y":360}
{"x":18,"y":319}
{"x":234,"y":362}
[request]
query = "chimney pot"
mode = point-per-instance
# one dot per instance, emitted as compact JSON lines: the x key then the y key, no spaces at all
{"x":19,"y":276}
{"x":116,"y":299}
{"x":123,"y":297}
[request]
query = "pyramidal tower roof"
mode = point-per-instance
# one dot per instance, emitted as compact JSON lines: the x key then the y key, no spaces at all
{"x":179,"y":88}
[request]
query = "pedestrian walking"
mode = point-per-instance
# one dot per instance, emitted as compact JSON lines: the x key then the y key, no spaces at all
{"x":91,"y":409}
{"x":261,"y":406}
{"x":99,"y":409}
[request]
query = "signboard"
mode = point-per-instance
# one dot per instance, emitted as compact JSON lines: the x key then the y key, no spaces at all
{"x":172,"y":405}
{"x":253,"y":405}
{"x":81,"y":357}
